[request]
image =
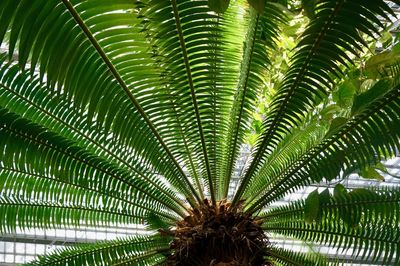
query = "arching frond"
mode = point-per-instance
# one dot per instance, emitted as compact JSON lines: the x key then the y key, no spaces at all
{"x":76,"y":65}
{"x":139,"y":250}
{"x":291,"y":148}
{"x":320,"y":54}
{"x":19,"y":94}
{"x":192,"y":76}
{"x":32,"y":150}
{"x":366,"y":221}
{"x":288,"y":257}
{"x":261,"y":34}
{"x":370,"y":136}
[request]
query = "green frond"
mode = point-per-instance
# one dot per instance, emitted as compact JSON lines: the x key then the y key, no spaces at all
{"x":301,"y":140}
{"x":178,"y":31}
{"x":28,"y":214}
{"x":262,"y":32}
{"x":365,"y":220}
{"x":321,"y":53}
{"x":367,"y":138}
{"x":29,"y":148}
{"x":20,"y":93}
{"x":290,"y":149}
{"x":380,"y":206}
{"x":77,"y":67}
{"x":287,"y":257}
{"x":19,"y":185}
{"x":139,"y":250}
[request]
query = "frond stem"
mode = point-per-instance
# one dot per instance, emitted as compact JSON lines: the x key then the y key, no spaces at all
{"x":340,"y":234}
{"x":331,"y":206}
{"x":141,"y":256}
{"x":194,"y":99}
{"x":239,"y":119}
{"x":55,"y":206}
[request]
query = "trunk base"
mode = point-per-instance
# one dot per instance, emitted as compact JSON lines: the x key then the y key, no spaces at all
{"x":217,"y":236}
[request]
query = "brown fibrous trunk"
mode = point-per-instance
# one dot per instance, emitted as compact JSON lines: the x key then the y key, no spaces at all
{"x":218,"y":235}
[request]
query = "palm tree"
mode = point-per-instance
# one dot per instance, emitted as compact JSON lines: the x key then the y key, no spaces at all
{"x":134,"y":111}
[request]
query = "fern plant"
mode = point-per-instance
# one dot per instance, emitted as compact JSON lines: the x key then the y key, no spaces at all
{"x":134,"y":111}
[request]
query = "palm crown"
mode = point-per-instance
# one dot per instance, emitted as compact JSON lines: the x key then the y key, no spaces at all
{"x":127,"y":112}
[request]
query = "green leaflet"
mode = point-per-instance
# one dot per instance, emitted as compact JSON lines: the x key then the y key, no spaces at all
{"x":289,"y":257}
{"x":336,"y":124}
{"x":377,"y":91}
{"x":218,"y":6}
{"x":314,"y":204}
{"x":324,"y":197}
{"x":309,"y":7}
{"x":155,"y":222}
{"x":344,"y":94}
{"x":370,"y":173}
{"x":312,"y":207}
{"x":339,"y":192}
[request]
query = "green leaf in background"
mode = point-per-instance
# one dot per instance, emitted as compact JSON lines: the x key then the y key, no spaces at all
{"x":386,"y":39}
{"x":258,"y":5}
{"x":362,"y":100}
{"x":375,"y":67}
{"x":329,"y":111}
{"x":370,"y":173}
{"x":155,"y":222}
{"x":335,"y":169}
{"x":309,"y":8}
{"x":343,"y":96}
{"x":336,"y":124}
{"x":311,"y":207}
{"x":324,"y":197}
{"x":339,"y":192}
{"x":218,"y":6}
